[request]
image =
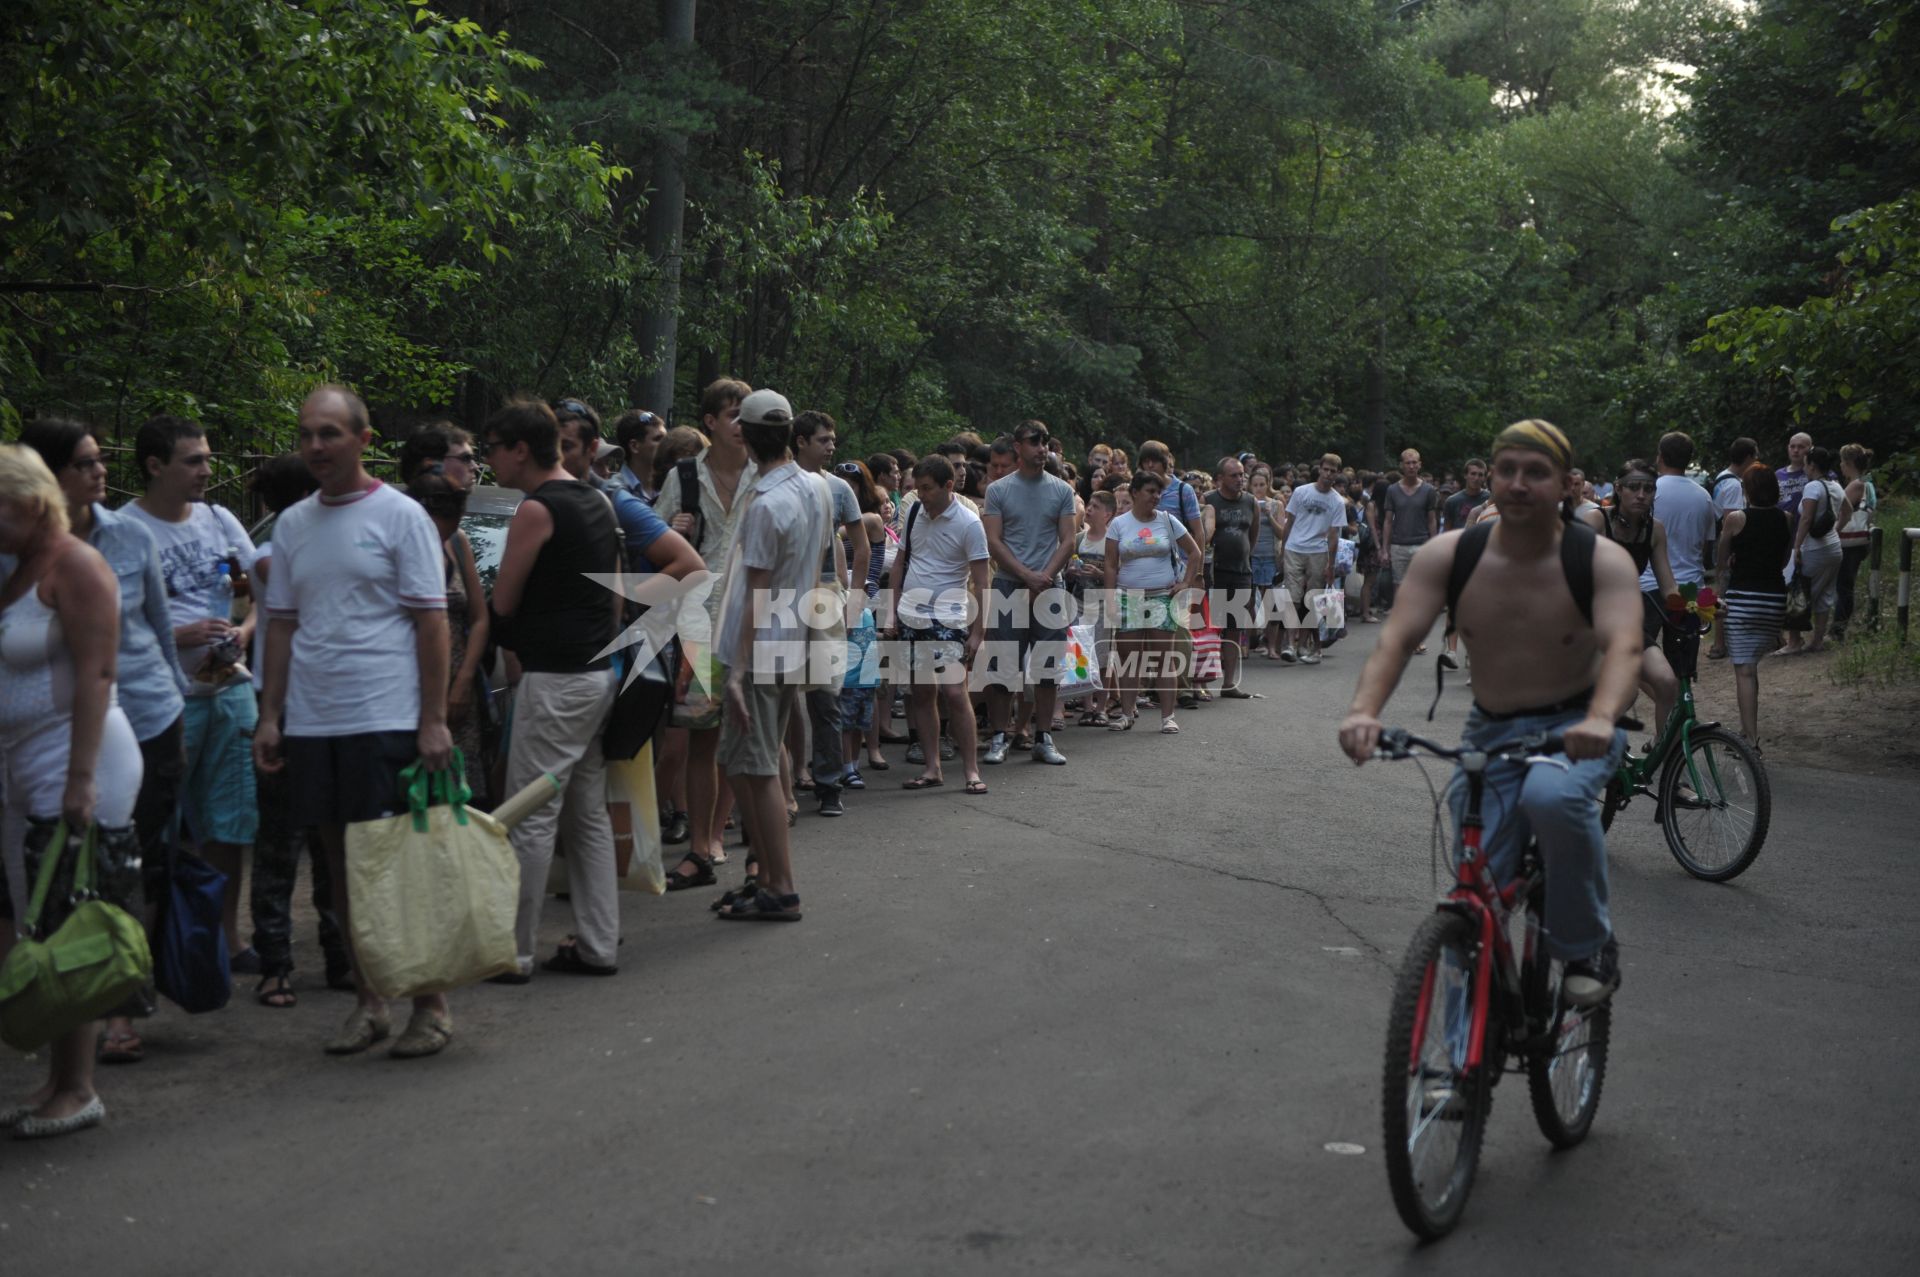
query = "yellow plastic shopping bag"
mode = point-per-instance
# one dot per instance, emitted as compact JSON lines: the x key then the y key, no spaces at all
{"x":633,"y":810}
{"x":432,"y":892}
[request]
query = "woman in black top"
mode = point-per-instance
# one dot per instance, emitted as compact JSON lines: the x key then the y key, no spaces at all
{"x":1631,"y":525}
{"x":1755,"y":544}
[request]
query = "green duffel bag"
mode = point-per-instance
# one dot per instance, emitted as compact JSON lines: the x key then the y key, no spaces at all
{"x":84,"y":970}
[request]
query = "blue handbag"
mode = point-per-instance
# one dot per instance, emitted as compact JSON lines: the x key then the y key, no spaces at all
{"x":190,"y":962}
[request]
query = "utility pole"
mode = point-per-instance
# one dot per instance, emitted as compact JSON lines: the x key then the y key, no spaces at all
{"x":657,"y":331}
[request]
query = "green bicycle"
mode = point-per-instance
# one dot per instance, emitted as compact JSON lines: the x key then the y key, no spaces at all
{"x":1712,"y":797}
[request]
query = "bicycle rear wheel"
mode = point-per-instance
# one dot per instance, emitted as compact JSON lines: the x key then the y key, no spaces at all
{"x":1434,"y":1110}
{"x":1715,"y":833}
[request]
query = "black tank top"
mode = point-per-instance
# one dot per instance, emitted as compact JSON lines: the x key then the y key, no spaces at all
{"x":564,"y":618}
{"x":1760,"y":552}
{"x":1641,"y":547}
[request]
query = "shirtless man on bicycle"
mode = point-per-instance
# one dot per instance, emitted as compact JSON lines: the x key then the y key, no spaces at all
{"x":1543,"y":664}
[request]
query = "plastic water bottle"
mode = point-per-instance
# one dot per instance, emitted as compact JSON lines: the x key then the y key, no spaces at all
{"x":220,"y":602}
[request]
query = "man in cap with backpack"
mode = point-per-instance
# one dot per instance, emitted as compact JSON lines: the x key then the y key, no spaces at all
{"x":1551,"y":616}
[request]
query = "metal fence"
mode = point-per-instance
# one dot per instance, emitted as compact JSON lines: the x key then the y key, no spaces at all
{"x":232,"y":481}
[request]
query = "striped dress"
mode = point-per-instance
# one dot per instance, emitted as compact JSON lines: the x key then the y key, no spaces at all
{"x":1756,"y":596}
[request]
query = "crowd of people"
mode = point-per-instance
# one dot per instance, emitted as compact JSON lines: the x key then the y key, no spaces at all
{"x":174,"y":684}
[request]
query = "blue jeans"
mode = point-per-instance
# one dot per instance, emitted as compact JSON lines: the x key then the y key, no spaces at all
{"x":1556,"y":803}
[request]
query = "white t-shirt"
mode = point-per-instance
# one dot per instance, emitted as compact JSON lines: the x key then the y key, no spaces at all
{"x":1728,"y":494}
{"x":190,"y":554}
{"x":352,"y":572}
{"x":1686,"y":510}
{"x":1810,"y":495}
{"x":778,"y":528}
{"x":1145,"y":550}
{"x":1314,"y":514}
{"x":945,"y":548}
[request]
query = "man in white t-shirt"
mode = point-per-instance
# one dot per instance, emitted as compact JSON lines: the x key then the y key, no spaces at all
{"x":937,"y":594}
{"x":1306,"y":533}
{"x":356,"y":669}
{"x":203,"y":553}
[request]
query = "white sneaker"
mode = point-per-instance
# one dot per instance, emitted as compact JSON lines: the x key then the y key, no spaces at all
{"x":1309,"y":658}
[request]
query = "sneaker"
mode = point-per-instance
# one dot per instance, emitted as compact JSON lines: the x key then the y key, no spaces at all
{"x":1044,"y":752}
{"x":996,"y":749}
{"x":916,"y":755}
{"x":1288,"y":656}
{"x":1448,"y":662}
{"x":853,"y":779}
{"x":1309,"y":658}
{"x":675,"y":828}
{"x":245,"y":962}
{"x":947,"y":750}
{"x":1591,"y":981}
{"x":830,"y":806}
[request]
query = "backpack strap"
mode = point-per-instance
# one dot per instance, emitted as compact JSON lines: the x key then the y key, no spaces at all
{"x":688,"y":468}
{"x":1576,"y":560}
{"x":1466,"y":556}
{"x":906,"y":541}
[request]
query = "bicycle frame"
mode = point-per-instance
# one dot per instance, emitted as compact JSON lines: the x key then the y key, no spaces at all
{"x":1489,"y":907}
{"x":1636,"y":775}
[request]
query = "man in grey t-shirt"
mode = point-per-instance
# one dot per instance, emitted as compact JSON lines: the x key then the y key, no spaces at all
{"x":1029,"y":519}
{"x":815,"y":438}
{"x":1412,"y":518}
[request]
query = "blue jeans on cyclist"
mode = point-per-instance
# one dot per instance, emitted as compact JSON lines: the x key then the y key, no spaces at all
{"x":1556,"y":803}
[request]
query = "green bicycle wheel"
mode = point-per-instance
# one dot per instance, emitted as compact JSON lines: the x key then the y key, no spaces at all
{"x":1716,"y":830}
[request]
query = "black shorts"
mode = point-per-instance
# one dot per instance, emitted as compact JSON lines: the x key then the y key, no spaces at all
{"x":1653,"y":619}
{"x":1016,"y":622}
{"x":337,"y":780}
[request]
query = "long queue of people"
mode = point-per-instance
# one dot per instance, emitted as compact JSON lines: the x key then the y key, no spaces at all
{"x":170,"y":683}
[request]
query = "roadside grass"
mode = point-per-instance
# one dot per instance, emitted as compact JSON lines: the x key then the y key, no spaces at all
{"x":1872,"y":657}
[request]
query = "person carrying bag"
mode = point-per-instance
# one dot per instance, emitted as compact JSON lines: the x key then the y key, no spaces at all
{"x":91,"y":963}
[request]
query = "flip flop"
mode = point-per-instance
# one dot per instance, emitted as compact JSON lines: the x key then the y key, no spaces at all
{"x":923,"y":782}
{"x":121,"y":1048}
{"x":976,"y":787}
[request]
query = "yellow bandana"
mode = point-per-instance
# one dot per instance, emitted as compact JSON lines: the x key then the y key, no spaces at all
{"x":1540,"y":436}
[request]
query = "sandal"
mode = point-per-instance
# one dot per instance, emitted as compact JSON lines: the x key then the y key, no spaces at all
{"x":976,"y":787}
{"x":923,"y":782}
{"x":763,"y":906}
{"x":427,"y":1033}
{"x":879,"y":765}
{"x":567,"y":960}
{"x":124,"y":1047}
{"x":281,"y":997}
{"x":1168,"y":727}
{"x":744,"y":891}
{"x":1121,"y":722}
{"x":701,"y":877}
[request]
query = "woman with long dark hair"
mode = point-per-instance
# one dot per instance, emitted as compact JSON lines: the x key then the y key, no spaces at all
{"x":1755,"y":544}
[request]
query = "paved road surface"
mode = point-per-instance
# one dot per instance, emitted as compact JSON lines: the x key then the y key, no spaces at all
{"x":1105,"y":1020}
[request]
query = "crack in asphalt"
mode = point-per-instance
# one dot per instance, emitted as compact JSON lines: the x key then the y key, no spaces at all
{"x":1374,"y":952}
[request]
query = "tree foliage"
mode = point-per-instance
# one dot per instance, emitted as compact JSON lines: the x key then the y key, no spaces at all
{"x":1290,"y":224}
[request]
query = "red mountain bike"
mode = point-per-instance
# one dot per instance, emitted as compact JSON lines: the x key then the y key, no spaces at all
{"x":1475,"y":988}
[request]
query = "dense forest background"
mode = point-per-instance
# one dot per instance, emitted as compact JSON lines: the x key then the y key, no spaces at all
{"x":1284,"y":224}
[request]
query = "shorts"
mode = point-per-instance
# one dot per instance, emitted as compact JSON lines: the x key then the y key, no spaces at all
{"x":856,"y":709}
{"x":933,"y":648}
{"x":755,"y":749}
{"x":338,"y":780}
{"x":216,"y":796}
{"x":1265,"y":572}
{"x":1140,"y":610}
{"x":1233,"y":607}
{"x":1653,"y":620}
{"x":1305,"y":573}
{"x":1016,"y":616}
{"x":1401,"y":558}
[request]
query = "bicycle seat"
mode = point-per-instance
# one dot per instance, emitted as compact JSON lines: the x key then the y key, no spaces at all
{"x":1630,"y":724}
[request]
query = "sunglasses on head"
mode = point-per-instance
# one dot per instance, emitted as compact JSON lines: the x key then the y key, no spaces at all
{"x":847,"y":467}
{"x":570,"y":408}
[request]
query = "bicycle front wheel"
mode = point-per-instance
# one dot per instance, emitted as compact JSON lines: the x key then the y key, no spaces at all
{"x":1434,"y":1108}
{"x":1715,"y":804}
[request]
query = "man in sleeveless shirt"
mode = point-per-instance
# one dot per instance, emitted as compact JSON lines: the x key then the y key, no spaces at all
{"x":557,"y":620}
{"x":1543,"y":668}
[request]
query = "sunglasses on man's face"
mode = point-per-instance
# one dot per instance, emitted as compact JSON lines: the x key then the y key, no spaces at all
{"x":1041,"y":440}
{"x":1636,"y":485}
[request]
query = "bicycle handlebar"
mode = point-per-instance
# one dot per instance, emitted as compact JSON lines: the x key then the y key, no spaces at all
{"x":1398,"y":743}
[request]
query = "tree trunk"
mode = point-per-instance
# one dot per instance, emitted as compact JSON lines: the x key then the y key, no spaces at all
{"x":657,"y":331}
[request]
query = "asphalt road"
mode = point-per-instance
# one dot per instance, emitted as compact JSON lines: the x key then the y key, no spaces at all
{"x":1107,"y":1019}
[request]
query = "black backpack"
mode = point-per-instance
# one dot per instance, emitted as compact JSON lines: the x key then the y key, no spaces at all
{"x":1824,"y":517}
